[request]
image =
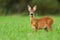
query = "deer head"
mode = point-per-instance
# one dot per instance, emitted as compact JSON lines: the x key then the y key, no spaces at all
{"x":31,"y":10}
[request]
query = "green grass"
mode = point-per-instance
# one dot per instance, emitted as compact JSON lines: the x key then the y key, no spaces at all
{"x":18,"y":28}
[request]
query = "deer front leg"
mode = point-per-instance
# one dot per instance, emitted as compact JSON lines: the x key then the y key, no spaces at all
{"x":34,"y":28}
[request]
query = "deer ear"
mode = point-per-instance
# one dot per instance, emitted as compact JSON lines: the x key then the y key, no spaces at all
{"x":29,"y":8}
{"x":34,"y":8}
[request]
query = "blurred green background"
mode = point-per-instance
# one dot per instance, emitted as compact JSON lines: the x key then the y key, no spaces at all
{"x":8,"y":7}
{"x":15,"y":26}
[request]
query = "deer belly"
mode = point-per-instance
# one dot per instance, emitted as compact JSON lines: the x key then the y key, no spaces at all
{"x":40,"y":26}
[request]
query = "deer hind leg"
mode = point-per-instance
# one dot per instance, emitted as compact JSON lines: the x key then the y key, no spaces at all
{"x":49,"y":27}
{"x":46,"y":29}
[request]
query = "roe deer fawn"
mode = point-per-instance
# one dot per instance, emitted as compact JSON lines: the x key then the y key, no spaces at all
{"x":42,"y":23}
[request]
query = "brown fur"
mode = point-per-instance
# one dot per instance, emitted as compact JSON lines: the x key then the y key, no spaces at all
{"x":42,"y":23}
{"x":45,"y":22}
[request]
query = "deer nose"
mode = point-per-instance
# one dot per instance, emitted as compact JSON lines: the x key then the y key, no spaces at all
{"x":31,"y":14}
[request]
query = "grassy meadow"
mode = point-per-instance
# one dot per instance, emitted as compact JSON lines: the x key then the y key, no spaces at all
{"x":18,"y":28}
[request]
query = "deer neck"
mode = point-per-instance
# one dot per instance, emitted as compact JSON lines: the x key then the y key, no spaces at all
{"x":31,"y":17}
